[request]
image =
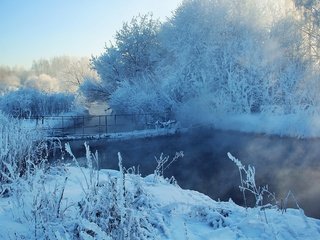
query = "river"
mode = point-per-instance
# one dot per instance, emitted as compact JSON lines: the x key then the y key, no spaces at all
{"x":281,"y":162}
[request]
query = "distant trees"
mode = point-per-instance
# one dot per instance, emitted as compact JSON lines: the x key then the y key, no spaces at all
{"x":47,"y":88}
{"x":218,"y":55}
{"x":27,"y":103}
{"x":10,"y":78}
{"x":69,"y":72}
{"x":58,"y":74}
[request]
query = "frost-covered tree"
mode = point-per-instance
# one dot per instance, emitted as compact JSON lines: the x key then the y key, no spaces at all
{"x":222,"y":55}
{"x":236,"y":57}
{"x":93,"y":90}
{"x":310,"y":26}
{"x":217,"y":53}
{"x":133,"y":55}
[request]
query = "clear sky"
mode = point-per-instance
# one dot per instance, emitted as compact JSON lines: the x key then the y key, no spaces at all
{"x":34,"y":29}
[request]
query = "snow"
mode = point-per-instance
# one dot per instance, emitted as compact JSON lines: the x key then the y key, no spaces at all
{"x":177,"y":213}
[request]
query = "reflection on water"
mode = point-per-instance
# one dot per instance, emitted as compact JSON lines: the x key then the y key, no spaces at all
{"x":282,"y":163}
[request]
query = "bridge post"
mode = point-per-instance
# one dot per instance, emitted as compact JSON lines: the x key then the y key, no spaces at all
{"x":99,"y":125}
{"x":106,"y":121}
{"x":74,"y":125}
{"x":62,"y":130}
{"x":82,"y":125}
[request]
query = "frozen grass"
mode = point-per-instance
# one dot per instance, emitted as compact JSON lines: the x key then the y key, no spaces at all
{"x":20,"y":150}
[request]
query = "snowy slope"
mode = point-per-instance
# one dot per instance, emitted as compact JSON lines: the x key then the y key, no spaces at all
{"x":164,"y":211}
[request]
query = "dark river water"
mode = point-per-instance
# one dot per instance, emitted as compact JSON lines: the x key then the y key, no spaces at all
{"x":282,"y":163}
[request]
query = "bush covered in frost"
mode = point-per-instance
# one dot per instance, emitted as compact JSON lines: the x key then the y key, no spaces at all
{"x":20,"y":150}
{"x":28,"y":102}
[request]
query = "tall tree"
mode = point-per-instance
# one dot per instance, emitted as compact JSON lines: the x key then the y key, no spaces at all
{"x":134,"y":54}
{"x":310,"y":14}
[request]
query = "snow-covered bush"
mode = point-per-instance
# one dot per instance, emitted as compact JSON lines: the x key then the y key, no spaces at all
{"x":28,"y":102}
{"x":20,"y":150}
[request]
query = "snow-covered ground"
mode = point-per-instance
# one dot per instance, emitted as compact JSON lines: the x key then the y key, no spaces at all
{"x":161,"y":209}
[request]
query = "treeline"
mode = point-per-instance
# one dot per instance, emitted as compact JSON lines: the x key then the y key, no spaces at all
{"x":27,"y":102}
{"x":57,"y":74}
{"x":216,"y":56}
{"x":49,"y":87}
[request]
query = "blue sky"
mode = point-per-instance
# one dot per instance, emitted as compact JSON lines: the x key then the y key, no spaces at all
{"x":34,"y":29}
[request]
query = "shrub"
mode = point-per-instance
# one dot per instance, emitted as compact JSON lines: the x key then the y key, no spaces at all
{"x":20,"y":150}
{"x":27,"y":102}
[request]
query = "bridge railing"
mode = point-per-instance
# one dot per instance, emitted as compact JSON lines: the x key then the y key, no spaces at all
{"x":95,"y":124}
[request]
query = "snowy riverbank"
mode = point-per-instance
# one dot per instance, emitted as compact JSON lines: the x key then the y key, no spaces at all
{"x":150,"y":206}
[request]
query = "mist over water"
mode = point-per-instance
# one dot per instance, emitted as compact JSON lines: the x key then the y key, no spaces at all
{"x":282,"y":163}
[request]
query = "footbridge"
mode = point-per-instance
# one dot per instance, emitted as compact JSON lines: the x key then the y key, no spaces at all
{"x":100,"y":126}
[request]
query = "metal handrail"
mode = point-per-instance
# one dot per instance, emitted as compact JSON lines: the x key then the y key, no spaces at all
{"x":96,"y":124}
